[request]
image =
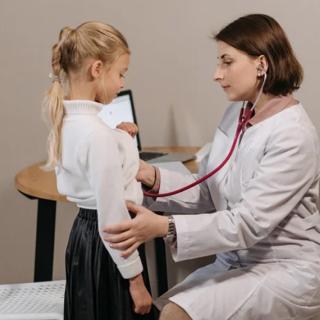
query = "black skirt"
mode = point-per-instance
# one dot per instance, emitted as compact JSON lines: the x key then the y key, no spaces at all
{"x":95,"y":289}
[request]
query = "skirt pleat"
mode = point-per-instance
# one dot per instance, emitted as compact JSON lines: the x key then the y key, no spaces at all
{"x":95,"y":289}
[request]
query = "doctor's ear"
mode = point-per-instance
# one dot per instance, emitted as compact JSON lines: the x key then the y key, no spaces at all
{"x":262,"y":66}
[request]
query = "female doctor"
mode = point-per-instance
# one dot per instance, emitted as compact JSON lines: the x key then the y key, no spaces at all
{"x":259,"y":213}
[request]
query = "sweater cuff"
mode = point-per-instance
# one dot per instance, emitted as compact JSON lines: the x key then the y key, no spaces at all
{"x":156,"y":185}
{"x":131,"y":269}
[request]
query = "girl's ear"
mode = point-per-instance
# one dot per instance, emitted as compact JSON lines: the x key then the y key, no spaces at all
{"x":96,"y":69}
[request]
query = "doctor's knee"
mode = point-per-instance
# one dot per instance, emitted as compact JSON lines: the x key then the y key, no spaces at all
{"x":172,"y":311}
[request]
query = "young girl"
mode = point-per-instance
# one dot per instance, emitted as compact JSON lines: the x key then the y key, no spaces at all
{"x":96,"y":168}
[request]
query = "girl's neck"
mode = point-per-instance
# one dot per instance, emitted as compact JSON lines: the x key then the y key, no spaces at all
{"x":80,"y":95}
{"x":81,"y":90}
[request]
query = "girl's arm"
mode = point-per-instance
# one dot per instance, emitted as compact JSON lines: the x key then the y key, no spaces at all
{"x":142,"y":300}
{"x":100,"y":157}
{"x":104,"y":172}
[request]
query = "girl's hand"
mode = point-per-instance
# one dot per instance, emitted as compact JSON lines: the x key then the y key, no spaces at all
{"x":129,"y":127}
{"x":146,"y":174}
{"x":142,"y":300}
{"x":128,"y":235}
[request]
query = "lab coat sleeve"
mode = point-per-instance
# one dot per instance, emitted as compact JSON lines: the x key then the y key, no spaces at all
{"x":103,"y":168}
{"x":283,"y":177}
{"x":194,"y":200}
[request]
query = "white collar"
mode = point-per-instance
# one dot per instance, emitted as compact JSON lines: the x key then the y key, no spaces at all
{"x":82,"y":107}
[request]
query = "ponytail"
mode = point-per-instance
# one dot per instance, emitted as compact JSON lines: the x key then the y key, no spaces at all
{"x":53,"y":104}
{"x":54,"y":110}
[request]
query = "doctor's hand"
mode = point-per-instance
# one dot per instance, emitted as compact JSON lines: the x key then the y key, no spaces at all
{"x":129,"y":127}
{"x":146,"y":174}
{"x":128,"y":235}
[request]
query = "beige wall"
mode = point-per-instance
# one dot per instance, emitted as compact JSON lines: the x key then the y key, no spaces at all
{"x":171,"y":74}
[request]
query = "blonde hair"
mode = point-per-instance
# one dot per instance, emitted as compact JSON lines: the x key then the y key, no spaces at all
{"x":89,"y":40}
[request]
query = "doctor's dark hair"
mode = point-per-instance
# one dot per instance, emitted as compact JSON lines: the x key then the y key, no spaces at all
{"x":259,"y":34}
{"x":89,"y":40}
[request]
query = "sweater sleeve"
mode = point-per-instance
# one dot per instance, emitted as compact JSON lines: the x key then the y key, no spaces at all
{"x":102,"y":162}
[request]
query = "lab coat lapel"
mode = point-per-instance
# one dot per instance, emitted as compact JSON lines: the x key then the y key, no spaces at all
{"x":221,"y":145}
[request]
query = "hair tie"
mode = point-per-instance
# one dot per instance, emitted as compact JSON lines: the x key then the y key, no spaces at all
{"x":54,"y":77}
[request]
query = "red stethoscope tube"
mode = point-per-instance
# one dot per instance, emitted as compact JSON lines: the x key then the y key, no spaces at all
{"x":243,"y":119}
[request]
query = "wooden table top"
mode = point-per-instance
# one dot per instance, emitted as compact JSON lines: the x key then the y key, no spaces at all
{"x":34,"y":181}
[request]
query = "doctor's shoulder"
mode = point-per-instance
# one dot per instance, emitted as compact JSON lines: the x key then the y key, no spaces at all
{"x":292,"y":129}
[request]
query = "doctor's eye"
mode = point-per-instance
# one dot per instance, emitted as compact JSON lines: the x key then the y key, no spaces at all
{"x":227,"y":62}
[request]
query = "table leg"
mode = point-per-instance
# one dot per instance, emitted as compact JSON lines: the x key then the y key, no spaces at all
{"x":46,"y":219}
{"x":161,"y":265}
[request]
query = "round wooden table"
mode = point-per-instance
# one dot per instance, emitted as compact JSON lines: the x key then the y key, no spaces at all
{"x":35,"y":183}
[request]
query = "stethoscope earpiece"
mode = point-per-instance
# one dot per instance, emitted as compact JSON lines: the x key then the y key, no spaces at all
{"x":261,"y":72}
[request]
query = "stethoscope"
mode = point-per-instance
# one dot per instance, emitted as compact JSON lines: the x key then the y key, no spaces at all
{"x":242,"y":121}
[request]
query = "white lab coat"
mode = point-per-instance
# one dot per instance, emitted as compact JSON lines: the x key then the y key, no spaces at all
{"x":259,"y":216}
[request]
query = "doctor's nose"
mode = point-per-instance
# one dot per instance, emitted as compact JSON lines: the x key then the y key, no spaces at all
{"x":217,"y":76}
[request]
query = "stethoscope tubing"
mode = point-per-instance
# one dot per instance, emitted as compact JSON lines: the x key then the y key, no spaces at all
{"x":240,"y":127}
